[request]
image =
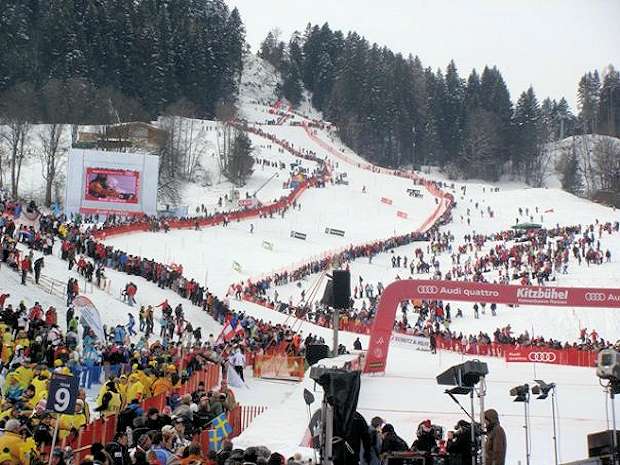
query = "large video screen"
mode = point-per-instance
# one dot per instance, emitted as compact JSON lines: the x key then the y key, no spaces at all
{"x":120,"y":183}
{"x":112,"y":185}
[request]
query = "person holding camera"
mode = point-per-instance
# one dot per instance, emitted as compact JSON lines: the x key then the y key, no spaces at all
{"x":426,"y":441}
{"x":459,"y":444}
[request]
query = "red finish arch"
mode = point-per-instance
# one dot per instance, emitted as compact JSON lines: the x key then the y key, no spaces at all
{"x":462,"y":291}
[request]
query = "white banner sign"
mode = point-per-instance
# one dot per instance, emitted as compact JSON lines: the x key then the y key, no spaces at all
{"x":411,"y":342}
{"x":89,"y":315}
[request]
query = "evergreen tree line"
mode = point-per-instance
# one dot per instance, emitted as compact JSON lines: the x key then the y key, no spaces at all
{"x":396,"y":112}
{"x":151,"y":53}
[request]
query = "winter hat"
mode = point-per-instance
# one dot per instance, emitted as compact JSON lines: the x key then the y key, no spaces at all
{"x":276,"y":459}
{"x":387,"y":428}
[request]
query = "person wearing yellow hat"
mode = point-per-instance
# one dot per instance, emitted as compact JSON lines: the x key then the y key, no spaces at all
{"x":135,"y":389}
{"x":122,"y":386}
{"x":108,"y":400}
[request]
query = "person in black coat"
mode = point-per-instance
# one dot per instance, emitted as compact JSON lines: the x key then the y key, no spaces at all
{"x":426,"y":441}
{"x":118,"y":449}
{"x":391,"y":441}
{"x":358,"y":436}
{"x":458,"y":444}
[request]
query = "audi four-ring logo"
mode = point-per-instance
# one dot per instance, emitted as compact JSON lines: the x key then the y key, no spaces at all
{"x":428,"y":289}
{"x":545,"y":357}
{"x":595,"y":297}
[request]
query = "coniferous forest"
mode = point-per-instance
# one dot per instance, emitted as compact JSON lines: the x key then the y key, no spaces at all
{"x":395,"y":111}
{"x":92,"y":61}
{"x":147,"y":53}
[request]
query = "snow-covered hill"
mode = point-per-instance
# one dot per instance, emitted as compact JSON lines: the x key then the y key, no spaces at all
{"x":407,"y":393}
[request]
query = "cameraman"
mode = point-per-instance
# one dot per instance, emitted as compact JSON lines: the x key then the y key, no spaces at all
{"x":426,"y":442}
{"x":459,"y":444}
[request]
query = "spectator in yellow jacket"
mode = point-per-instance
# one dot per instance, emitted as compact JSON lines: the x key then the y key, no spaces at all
{"x":12,"y":441}
{"x":75,"y":421}
{"x":135,"y":389}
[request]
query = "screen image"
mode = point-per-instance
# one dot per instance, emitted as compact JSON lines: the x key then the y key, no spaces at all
{"x":112,"y":185}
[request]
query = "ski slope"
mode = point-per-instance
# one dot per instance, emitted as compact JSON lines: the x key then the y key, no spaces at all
{"x":407,"y":393}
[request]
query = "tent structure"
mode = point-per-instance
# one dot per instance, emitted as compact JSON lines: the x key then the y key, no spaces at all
{"x":526,"y":226}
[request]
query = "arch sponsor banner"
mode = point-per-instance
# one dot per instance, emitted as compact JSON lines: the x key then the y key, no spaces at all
{"x":402,"y":290}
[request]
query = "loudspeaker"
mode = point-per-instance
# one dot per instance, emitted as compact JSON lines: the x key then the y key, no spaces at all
{"x":342,"y":288}
{"x":316,"y":353}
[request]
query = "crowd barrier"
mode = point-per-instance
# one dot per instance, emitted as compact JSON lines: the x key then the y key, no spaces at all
{"x":514,"y":353}
{"x":242,"y":416}
{"x":210,"y":221}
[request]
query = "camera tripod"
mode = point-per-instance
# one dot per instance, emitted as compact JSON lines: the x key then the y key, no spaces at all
{"x":471,"y":415}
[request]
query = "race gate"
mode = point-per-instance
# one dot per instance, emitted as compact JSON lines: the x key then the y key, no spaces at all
{"x":399,"y":291}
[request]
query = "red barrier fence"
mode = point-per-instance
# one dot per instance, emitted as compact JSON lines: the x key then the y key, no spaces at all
{"x":211,"y":221}
{"x":242,"y":416}
{"x":512,"y":353}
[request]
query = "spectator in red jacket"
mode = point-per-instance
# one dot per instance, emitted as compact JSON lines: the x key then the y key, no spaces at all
{"x":25,"y":268}
{"x":3,"y":298}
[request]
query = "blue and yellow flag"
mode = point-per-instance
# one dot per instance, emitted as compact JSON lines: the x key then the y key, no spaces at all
{"x":221,"y":426}
{"x":215,"y":441}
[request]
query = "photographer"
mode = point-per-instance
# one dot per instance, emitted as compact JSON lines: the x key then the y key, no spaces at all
{"x":459,"y":444}
{"x":427,"y":440}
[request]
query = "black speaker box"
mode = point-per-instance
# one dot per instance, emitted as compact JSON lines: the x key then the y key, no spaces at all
{"x":342,"y":288}
{"x":316,"y":353}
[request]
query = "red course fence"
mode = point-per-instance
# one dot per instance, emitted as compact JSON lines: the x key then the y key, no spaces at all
{"x":512,"y":353}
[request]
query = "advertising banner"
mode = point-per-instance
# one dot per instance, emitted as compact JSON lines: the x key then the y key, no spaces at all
{"x":569,"y":356}
{"x":89,"y":315}
{"x":411,"y":342}
{"x":533,"y":355}
{"x":386,"y":201}
{"x":401,"y":214}
{"x":112,"y":185}
{"x":399,"y":291}
{"x":248,"y":203}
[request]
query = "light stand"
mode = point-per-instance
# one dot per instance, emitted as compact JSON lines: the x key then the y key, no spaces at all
{"x":522,"y":394}
{"x":482,"y":392}
{"x":465,"y":377}
{"x":470,"y":415}
{"x":542,"y":390}
{"x":613,"y":388}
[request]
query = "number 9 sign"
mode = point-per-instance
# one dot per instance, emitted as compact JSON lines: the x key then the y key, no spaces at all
{"x":63,"y":392}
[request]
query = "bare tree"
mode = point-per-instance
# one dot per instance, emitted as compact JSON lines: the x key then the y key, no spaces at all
{"x":18,"y":111}
{"x":50,"y":154}
{"x":225,"y":114}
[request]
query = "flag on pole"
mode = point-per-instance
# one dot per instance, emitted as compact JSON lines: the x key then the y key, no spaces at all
{"x":215,"y":442}
{"x":221,"y":426}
